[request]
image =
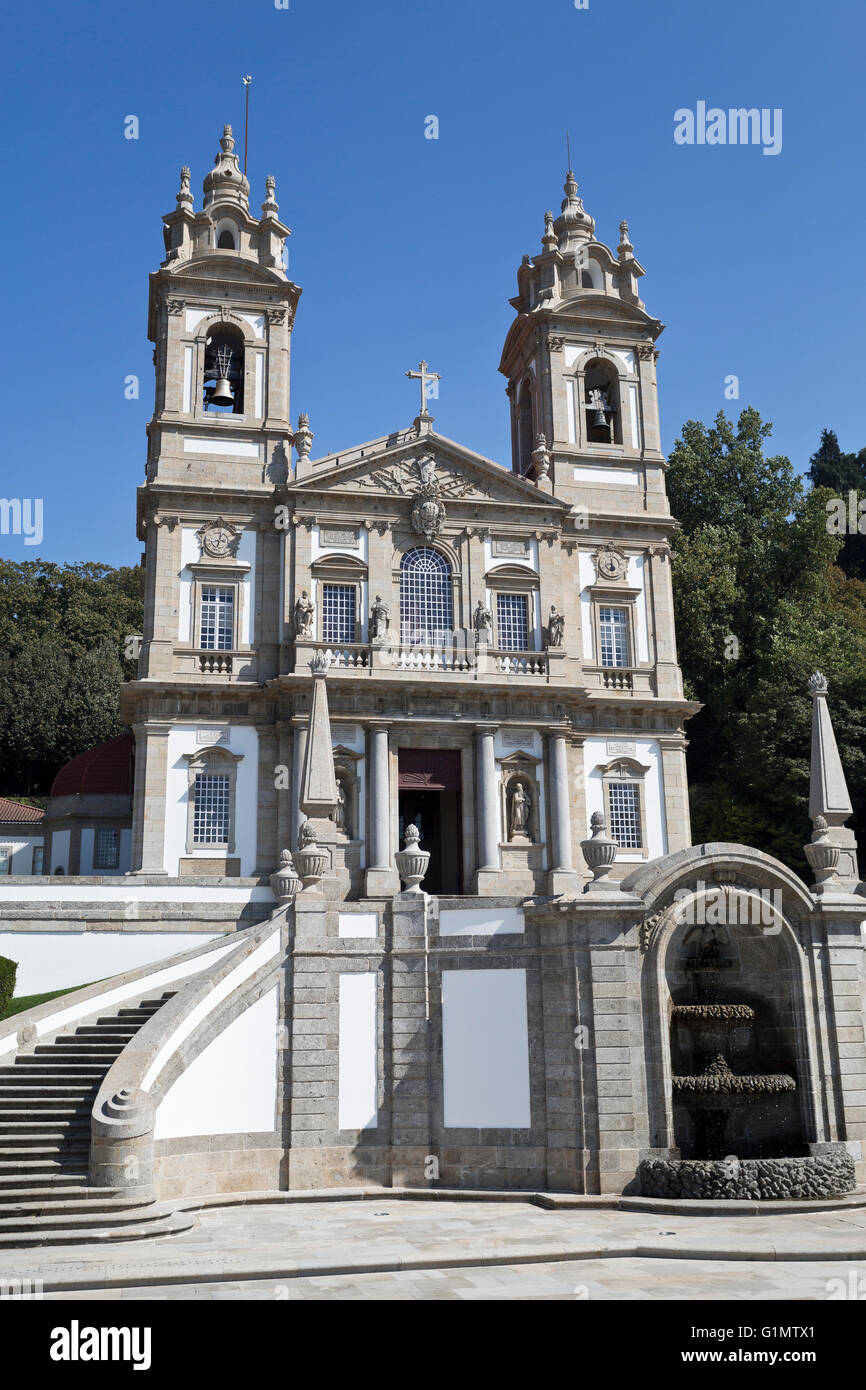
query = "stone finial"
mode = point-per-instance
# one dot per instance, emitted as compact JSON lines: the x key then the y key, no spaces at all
{"x":829,"y":801}
{"x":540,"y":458}
{"x":599,"y":851}
{"x":625,"y":248}
{"x":412,"y":861}
{"x":270,"y":207}
{"x":573,"y":222}
{"x":548,"y":241}
{"x":303,"y":437}
{"x":226,"y":183}
{"x":184,"y":197}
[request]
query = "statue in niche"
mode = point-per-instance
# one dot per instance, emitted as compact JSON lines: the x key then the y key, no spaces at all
{"x":521,"y":807}
{"x":304,"y":611}
{"x":482,"y":621}
{"x":555,"y":627}
{"x":380,"y":619}
{"x":338,"y":815}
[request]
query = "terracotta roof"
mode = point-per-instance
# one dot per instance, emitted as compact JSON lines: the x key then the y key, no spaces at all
{"x":105,"y":769}
{"x":14,"y":811}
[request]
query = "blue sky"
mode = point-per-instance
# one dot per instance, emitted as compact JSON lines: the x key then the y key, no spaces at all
{"x":407,"y":247}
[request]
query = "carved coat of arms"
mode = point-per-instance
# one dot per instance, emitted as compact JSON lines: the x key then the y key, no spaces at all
{"x":428,"y":511}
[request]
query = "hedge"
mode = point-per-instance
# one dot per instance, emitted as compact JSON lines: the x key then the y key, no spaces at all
{"x":8,"y":971}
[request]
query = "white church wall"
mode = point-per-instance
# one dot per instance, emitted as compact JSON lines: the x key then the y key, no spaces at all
{"x":635,"y":580}
{"x":22,"y":847}
{"x":60,"y":840}
{"x":231,"y":1087}
{"x":358,"y":1051}
{"x":480,"y":921}
{"x":242,"y":739}
{"x":529,"y":561}
{"x":586,"y":572}
{"x":63,"y":960}
{"x":485,"y":1049}
{"x":595,"y":757}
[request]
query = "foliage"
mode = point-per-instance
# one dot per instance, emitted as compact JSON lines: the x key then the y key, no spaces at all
{"x":63,"y":631}
{"x":760,"y":603}
{"x":8,"y":972}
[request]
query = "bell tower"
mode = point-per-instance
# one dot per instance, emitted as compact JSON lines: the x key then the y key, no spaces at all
{"x":220,"y":315}
{"x":580,"y":361}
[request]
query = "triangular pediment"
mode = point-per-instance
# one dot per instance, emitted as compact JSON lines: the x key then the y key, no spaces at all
{"x":430,"y":463}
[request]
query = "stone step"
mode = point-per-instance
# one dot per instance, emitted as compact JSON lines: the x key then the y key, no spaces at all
{"x":134,"y":1016}
{"x":156,"y":1003}
{"x":166,"y":1223}
{"x":74,"y":1200}
{"x":11,"y":1183}
{"x":78,"y":1047}
{"x":21,"y":1135}
{"x":69,"y":1099}
{"x":35,"y":1148}
{"x":81,"y":1215}
{"x":110,"y":1033}
{"x":62,"y":1062}
{"x":52,"y":1162}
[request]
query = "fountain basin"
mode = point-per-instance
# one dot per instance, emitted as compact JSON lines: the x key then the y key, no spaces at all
{"x":756,"y":1179}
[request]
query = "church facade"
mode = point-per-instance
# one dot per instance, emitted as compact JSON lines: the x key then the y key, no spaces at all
{"x":410,"y":897}
{"x":500,"y":642}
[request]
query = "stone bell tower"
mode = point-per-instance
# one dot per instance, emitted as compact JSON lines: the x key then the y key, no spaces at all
{"x":580,"y":363}
{"x":220,"y":315}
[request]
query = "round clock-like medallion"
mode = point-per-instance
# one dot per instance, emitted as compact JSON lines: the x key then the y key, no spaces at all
{"x":611,"y":563}
{"x":219,"y":539}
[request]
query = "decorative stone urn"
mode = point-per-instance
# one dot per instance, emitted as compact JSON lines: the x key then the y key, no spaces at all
{"x":822,"y":854}
{"x":309,"y":858}
{"x":599,"y":851}
{"x":412,"y":861}
{"x":284,"y":880}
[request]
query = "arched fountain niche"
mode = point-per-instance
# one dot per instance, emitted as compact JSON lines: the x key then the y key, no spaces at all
{"x":737,"y":1078}
{"x":731,"y":1049}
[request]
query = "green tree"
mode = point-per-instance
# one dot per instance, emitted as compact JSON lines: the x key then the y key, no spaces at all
{"x":760,"y":603}
{"x":842,"y":475}
{"x":63,"y":635}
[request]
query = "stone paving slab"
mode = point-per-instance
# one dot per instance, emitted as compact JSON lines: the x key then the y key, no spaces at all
{"x":335,"y":1239}
{"x":563,"y":1281}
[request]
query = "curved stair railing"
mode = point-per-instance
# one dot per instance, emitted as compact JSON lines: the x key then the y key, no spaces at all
{"x":125,"y":1108}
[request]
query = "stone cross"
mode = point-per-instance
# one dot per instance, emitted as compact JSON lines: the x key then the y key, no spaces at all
{"x":424,"y":376}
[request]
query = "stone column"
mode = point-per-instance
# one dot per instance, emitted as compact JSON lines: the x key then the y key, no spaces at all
{"x":151,"y":769}
{"x":562,"y":878}
{"x":298,"y":752}
{"x":381,"y":877}
{"x":488,"y":875}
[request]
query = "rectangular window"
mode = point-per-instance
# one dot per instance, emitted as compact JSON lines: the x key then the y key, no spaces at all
{"x":37,"y":859}
{"x":338,"y":612}
{"x":210,"y":824}
{"x":5,"y":861}
{"x":512,"y":622}
{"x":613,"y":634}
{"x":106,"y":854}
{"x":217,"y":618}
{"x":625,"y":828}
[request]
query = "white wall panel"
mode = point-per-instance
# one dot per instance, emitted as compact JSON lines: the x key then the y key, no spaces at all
{"x":231,"y":1087}
{"x":485,"y":1049}
{"x":358,"y":1062}
{"x":62,"y":960}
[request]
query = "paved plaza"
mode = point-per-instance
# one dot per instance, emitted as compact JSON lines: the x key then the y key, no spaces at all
{"x":387,"y":1248}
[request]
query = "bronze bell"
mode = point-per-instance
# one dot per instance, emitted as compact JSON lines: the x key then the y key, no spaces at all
{"x":599,"y":421}
{"x":222,"y":393}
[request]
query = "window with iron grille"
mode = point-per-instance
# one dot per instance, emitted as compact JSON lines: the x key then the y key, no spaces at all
{"x":426,"y":598}
{"x":37,"y":859}
{"x":5,"y":861}
{"x":624,"y":802}
{"x":338,"y":612}
{"x":217,"y":618}
{"x":512,"y":622}
{"x":613,"y":635}
{"x":210,"y":825}
{"x":106,"y":854}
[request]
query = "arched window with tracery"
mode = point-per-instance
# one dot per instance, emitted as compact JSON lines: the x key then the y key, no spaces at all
{"x":426,"y":597}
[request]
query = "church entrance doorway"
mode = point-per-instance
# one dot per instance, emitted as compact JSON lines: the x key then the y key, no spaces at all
{"x":429,"y":793}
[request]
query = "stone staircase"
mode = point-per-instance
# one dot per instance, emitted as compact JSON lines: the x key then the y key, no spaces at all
{"x":46,"y":1098}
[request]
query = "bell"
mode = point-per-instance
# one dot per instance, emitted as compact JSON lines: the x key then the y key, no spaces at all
{"x":599,"y":422}
{"x":222,"y":393}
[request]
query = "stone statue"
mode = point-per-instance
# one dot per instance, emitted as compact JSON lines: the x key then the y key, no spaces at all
{"x":380,"y":619}
{"x":304,"y":610}
{"x":482,"y":621}
{"x":521,"y":806}
{"x":339,"y":813}
{"x":555,"y":627}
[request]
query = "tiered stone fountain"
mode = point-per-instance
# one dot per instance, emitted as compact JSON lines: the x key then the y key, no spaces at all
{"x":714,"y":1095}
